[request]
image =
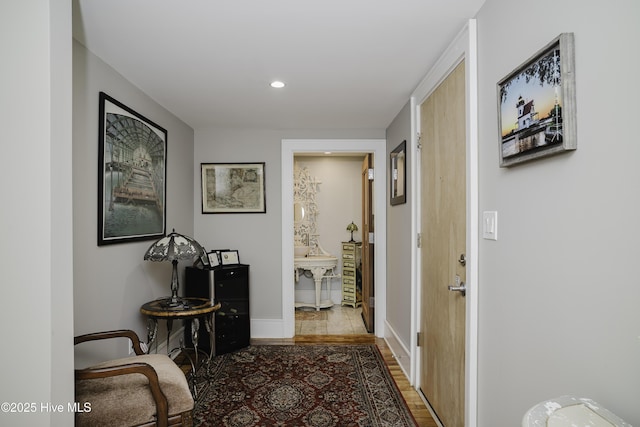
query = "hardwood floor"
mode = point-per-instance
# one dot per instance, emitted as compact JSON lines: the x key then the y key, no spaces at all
{"x":411,"y":396}
{"x":337,"y":320}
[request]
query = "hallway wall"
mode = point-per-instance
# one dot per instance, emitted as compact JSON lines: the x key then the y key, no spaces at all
{"x":36,"y":211}
{"x":111,"y":282}
{"x":399,"y":242}
{"x":558,"y":293}
{"x":258,"y":237}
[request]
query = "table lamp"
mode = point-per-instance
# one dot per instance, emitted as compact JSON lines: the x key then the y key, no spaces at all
{"x":174,"y":247}
{"x":352,"y":227}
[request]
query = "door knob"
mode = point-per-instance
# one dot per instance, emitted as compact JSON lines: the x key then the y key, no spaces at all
{"x":462,"y":288}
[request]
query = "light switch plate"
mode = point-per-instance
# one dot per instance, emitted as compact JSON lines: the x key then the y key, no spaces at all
{"x":490,"y":225}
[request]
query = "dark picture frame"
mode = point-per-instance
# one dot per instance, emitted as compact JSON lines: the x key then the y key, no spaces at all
{"x":204,"y":260}
{"x":537,"y":105}
{"x":233,"y":188}
{"x":132,"y":173}
{"x":213,"y":258}
{"x":398,"y":173}
{"x":229,"y":257}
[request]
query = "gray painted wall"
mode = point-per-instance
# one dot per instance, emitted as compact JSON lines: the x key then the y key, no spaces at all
{"x":112,"y":282}
{"x":399,"y":237}
{"x":37,"y":279}
{"x":258,"y":237}
{"x":558,"y":293}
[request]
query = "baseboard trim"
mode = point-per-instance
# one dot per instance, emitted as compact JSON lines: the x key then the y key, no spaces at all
{"x":398,"y":349}
{"x":176,"y":340}
{"x":267,"y":328}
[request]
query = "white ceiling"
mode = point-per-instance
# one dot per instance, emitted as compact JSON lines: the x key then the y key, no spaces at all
{"x":348,"y":64}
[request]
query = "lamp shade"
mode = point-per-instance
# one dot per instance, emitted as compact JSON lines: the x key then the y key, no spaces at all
{"x":352,"y":227}
{"x":172,"y":247}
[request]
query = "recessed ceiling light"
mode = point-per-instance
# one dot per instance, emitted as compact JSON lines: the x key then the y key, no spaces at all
{"x":327,"y":152}
{"x":277,"y":84}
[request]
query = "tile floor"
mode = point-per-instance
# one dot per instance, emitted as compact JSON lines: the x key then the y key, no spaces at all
{"x":337,"y":320}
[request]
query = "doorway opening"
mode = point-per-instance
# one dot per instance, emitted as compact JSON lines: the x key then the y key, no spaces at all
{"x":328,"y":265}
{"x":331,"y":234}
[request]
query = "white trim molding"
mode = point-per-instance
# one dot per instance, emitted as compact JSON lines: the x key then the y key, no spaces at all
{"x":346,"y":146}
{"x":400,"y":352}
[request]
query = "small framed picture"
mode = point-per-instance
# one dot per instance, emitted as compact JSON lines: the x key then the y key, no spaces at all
{"x":398,"y":174}
{"x":229,"y":257}
{"x":204,"y":259}
{"x":213,"y":258}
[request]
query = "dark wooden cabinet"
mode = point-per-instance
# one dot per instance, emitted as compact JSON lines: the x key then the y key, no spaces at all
{"x":229,"y":286}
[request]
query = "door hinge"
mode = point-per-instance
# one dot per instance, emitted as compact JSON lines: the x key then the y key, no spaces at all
{"x":372,"y":302}
{"x":419,"y":240}
{"x":419,"y":339}
{"x":419,"y":138}
{"x":372,"y":238}
{"x":370,"y":173}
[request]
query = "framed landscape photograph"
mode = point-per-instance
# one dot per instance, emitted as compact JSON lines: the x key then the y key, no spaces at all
{"x":131,"y":175}
{"x":537,"y":105}
{"x":233,"y":188}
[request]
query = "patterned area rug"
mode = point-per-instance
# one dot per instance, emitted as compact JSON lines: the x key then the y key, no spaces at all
{"x":303,"y":385}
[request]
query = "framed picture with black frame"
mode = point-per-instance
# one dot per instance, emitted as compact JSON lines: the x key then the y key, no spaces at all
{"x":398,"y":172}
{"x":229,"y":257}
{"x":132,"y":159}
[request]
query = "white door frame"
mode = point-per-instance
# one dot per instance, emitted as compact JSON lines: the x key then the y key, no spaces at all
{"x":464,"y":47}
{"x":379,"y":149}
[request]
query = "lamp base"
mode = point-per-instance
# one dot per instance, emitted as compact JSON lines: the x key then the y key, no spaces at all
{"x":174,"y":303}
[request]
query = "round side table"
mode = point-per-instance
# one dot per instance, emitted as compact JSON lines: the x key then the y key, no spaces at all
{"x":188,"y":308}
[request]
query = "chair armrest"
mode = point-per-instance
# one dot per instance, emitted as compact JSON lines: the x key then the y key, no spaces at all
{"x":162,"y":405}
{"x":122,"y":333}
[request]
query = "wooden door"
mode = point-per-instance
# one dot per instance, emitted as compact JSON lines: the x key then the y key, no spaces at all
{"x":367,"y":246}
{"x":443,"y":228}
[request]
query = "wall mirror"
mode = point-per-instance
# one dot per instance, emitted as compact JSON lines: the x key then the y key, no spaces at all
{"x":298,"y":212}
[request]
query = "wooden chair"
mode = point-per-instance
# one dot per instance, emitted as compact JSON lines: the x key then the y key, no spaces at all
{"x":141,"y":390}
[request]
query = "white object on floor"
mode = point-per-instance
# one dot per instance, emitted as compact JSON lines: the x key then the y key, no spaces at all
{"x":570,"y":411}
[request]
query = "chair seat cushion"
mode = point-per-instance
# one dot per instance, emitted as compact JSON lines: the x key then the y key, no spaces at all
{"x":126,"y":400}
